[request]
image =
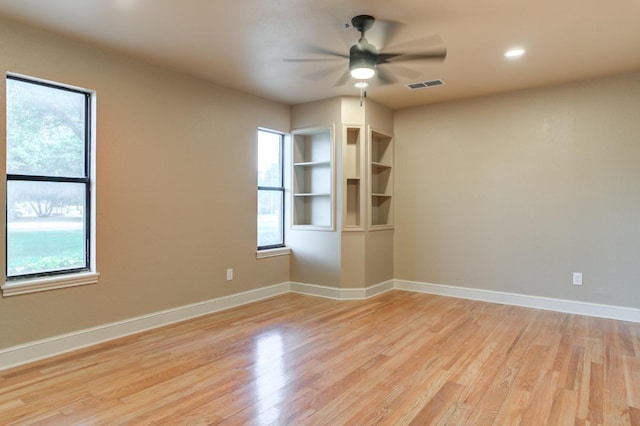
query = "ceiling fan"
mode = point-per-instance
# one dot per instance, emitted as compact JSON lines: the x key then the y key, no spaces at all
{"x":366,"y":61}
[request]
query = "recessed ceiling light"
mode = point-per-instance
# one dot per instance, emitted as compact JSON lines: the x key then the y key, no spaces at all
{"x":514,"y":53}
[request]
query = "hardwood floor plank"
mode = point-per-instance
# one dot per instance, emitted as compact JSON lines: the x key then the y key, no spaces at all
{"x":574,"y":374}
{"x":632,"y":380}
{"x":541,"y":399}
{"x":634,"y":416}
{"x":596,"y":397}
{"x":564,"y":408}
{"x":436,"y":407}
{"x":395,"y":359}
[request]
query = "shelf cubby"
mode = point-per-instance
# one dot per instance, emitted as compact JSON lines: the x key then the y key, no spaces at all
{"x":352,"y":153}
{"x":313,"y":147}
{"x":311,"y":210}
{"x":352,"y":217}
{"x":381,"y":148}
{"x":381,"y":210}
{"x":381,"y":179}
{"x":310,"y":178}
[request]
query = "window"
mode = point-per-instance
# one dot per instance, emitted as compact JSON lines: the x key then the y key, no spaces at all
{"x":270,"y":190}
{"x":49,"y":201}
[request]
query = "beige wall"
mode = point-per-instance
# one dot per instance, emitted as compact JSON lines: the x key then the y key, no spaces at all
{"x":176,"y":182}
{"x":517,"y":191}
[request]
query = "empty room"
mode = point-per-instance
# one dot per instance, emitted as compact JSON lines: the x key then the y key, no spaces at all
{"x":320,"y":213}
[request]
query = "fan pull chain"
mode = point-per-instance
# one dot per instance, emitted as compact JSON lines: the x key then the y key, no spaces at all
{"x":363,"y":92}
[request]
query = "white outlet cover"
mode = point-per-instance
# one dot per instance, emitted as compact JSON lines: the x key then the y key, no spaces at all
{"x":577,"y":278}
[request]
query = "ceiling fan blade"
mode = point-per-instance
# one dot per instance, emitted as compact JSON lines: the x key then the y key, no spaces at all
{"x":404,"y":71}
{"x":343,"y":79}
{"x":385,"y":58}
{"x":320,"y":74}
{"x":384,"y":77}
{"x":313,"y":50}
{"x":310,"y":59}
{"x":322,"y":51}
{"x":419,"y":43}
{"x":383,"y":32}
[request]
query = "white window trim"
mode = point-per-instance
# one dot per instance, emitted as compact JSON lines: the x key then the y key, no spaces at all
{"x":34,"y":285}
{"x":273,"y":252}
{"x":20,"y":286}
{"x":276,"y":251}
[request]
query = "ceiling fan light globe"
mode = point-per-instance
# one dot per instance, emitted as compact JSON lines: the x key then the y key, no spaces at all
{"x":362,"y":73}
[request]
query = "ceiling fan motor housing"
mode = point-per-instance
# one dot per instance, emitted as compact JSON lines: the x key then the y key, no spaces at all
{"x":363,"y":55}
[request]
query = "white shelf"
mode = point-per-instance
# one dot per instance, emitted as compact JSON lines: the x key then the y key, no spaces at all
{"x":313,"y":164}
{"x":312,"y":194}
{"x":380,"y":165}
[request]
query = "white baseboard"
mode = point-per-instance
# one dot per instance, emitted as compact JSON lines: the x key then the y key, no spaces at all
{"x":34,"y":351}
{"x":377,"y":289}
{"x":341,"y":293}
{"x":559,"y":305}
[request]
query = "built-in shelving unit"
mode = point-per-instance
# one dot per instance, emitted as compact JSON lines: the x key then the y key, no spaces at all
{"x":352,"y":160}
{"x":380,"y":180}
{"x":313,"y":178}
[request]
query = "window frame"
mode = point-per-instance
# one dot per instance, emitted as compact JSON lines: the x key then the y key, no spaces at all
{"x":60,"y":278}
{"x":280,"y":189}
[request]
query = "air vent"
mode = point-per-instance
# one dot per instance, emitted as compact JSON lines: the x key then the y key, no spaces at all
{"x":423,"y":84}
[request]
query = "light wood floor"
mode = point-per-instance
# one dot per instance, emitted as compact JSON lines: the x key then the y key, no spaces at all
{"x":399,"y":358}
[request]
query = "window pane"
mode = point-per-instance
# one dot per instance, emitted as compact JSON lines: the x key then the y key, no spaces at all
{"x":45,"y":130}
{"x":269,"y":218}
{"x":45,"y":227}
{"x":269,"y":168}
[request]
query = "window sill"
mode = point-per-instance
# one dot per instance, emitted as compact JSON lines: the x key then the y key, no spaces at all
{"x":280,"y":251}
{"x":34,"y":285}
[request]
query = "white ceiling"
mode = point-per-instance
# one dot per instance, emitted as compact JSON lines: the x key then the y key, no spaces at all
{"x":242,"y":43}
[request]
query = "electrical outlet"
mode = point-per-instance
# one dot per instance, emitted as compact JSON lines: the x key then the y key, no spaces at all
{"x":577,"y":278}
{"x":230,"y":274}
